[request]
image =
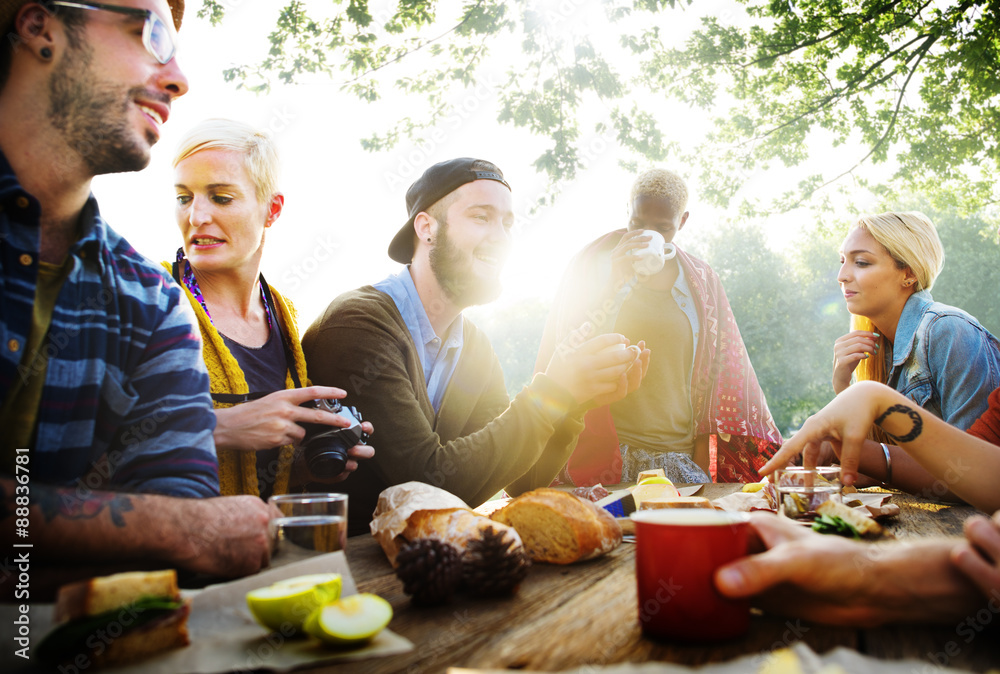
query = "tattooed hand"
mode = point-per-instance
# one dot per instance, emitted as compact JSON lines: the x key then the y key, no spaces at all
{"x":845,"y":424}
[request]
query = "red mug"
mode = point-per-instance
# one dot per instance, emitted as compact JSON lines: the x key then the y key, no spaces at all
{"x":676,"y":556}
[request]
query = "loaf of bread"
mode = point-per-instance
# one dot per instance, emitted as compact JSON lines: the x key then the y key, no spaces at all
{"x":456,"y":526}
{"x":676,"y":502}
{"x":439,"y":547}
{"x":415,"y":511}
{"x":560,"y":528}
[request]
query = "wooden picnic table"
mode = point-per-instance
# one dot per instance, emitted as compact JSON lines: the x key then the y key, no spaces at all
{"x":565,"y":617}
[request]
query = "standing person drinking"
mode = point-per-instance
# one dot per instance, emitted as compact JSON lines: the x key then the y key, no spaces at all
{"x":934,"y":354}
{"x":227,"y":198}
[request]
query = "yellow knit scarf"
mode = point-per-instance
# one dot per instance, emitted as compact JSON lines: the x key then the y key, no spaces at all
{"x":238,"y":469}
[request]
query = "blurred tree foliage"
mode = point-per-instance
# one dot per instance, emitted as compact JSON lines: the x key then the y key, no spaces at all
{"x":908,"y":81}
{"x":788,"y":305}
{"x":970,"y":279}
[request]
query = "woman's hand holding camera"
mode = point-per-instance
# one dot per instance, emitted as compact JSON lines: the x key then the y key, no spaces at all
{"x":275,"y":420}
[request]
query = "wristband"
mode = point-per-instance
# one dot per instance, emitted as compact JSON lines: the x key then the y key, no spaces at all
{"x":888,"y":462}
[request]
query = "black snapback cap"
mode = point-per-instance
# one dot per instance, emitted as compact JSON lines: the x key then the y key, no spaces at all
{"x":436,"y":183}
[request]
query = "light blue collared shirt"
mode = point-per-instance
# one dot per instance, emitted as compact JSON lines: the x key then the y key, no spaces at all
{"x":438,"y":355}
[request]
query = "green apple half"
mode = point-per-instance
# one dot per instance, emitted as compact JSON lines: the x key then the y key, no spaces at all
{"x":285,"y":605}
{"x":351,"y":621}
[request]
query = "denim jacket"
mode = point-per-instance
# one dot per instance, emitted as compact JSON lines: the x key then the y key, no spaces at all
{"x":944,"y":360}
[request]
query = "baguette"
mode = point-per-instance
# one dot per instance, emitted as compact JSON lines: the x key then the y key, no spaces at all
{"x":560,"y":528}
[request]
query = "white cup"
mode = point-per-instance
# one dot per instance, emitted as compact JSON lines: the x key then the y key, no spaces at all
{"x":650,"y":258}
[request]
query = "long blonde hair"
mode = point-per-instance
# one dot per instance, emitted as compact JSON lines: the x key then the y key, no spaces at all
{"x":912,"y":241}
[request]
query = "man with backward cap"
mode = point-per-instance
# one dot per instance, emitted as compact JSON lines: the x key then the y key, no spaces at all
{"x":101,"y":377}
{"x":428,"y":379}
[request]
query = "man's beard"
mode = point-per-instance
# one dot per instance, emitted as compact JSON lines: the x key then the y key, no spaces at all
{"x":453,"y":270}
{"x":94,"y":117}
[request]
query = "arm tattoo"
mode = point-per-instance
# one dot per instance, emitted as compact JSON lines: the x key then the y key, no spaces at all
{"x":915,"y":431}
{"x":65,"y":503}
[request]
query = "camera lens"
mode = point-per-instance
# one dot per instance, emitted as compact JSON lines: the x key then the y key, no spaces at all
{"x":325,"y":447}
{"x":326,"y":459}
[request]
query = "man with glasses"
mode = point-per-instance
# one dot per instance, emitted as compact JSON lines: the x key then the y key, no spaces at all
{"x":101,"y":377}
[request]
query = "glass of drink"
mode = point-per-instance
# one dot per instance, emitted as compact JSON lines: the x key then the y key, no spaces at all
{"x":310,"y":524}
{"x":802,"y":490}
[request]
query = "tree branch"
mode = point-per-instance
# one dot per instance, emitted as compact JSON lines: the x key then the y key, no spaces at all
{"x":922,"y":51}
{"x":848,"y":88}
{"x":468,"y":15}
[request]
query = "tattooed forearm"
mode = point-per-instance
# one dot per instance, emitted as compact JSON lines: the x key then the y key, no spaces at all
{"x":915,"y":418}
{"x":65,"y":503}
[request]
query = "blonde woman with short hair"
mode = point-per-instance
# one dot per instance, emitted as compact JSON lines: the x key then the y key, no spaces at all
{"x":934,"y":354}
{"x":225,"y":181}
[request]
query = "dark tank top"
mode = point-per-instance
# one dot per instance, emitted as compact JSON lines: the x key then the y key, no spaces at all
{"x":265,"y":370}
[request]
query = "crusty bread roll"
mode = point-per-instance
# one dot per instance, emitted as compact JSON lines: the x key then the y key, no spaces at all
{"x":456,"y":526}
{"x":560,"y":528}
{"x":413,"y":511}
{"x":676,"y":502}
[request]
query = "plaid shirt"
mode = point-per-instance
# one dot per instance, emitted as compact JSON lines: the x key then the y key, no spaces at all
{"x":126,"y":391}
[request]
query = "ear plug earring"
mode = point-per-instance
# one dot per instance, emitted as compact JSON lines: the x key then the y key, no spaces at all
{"x":45,"y":53}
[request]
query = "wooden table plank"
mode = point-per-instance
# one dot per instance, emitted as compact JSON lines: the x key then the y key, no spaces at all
{"x":585,"y":614}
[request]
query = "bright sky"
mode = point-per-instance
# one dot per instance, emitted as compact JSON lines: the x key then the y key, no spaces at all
{"x":343,"y":204}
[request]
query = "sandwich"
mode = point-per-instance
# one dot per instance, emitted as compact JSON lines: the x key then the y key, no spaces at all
{"x":116,"y":619}
{"x":862,"y":525}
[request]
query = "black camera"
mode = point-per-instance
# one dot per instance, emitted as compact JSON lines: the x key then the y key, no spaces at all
{"x":325,"y":446}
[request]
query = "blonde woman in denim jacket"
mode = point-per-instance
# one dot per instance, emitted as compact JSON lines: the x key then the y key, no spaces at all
{"x":934,"y":354}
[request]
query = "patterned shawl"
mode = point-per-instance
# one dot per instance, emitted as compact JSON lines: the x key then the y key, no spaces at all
{"x":727,"y":399}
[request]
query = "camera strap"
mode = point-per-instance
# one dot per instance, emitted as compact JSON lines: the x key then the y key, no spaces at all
{"x":289,"y":356}
{"x":237,"y":398}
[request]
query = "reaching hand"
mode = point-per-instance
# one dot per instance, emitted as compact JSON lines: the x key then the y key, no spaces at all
{"x":848,"y":351}
{"x":844,"y":423}
{"x":274,"y":420}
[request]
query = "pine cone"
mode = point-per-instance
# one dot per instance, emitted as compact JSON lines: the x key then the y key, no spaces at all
{"x":431,"y":570}
{"x":493,"y":566}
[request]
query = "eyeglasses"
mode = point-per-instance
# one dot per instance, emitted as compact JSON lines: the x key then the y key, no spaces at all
{"x":157,"y":36}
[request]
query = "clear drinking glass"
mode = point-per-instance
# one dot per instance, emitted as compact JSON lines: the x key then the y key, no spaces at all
{"x":310,"y":524}
{"x":802,"y":490}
